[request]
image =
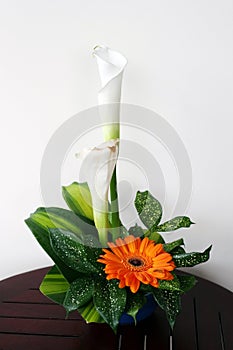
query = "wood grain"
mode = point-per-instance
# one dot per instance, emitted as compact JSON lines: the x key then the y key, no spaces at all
{"x":28,"y":320}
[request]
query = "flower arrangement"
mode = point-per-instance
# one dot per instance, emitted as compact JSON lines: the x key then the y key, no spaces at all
{"x":103,"y":269}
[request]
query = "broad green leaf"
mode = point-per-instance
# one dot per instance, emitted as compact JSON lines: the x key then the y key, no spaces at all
{"x":149,"y":209}
{"x":191,"y":259}
{"x":54,"y":285}
{"x":154,"y":236}
{"x":175,"y":224}
{"x":170,"y":302}
{"x":79,"y":293}
{"x":172,"y":285}
{"x":186,"y":282}
{"x":42,"y":235}
{"x":74,"y":253}
{"x":64,"y":219}
{"x":135,"y":301}
{"x":78,"y":198}
{"x":90,"y":314}
{"x":168,"y":247}
{"x":110,"y":301}
{"x":57,"y":218}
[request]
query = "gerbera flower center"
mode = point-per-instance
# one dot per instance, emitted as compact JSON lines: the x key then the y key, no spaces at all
{"x":136,"y":262}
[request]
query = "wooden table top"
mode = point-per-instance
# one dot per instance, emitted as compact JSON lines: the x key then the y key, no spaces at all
{"x":28,"y":320}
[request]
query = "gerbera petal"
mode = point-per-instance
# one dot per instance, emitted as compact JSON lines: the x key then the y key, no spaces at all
{"x":135,"y":284}
{"x":122,"y":283}
{"x":155,"y":283}
{"x":116,"y":250}
{"x":131,"y":242}
{"x":144,"y":245}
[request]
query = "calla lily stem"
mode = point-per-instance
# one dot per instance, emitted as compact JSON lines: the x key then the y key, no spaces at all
{"x":116,"y":224}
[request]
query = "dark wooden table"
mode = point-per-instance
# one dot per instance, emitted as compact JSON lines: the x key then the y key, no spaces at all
{"x":29,"y":321}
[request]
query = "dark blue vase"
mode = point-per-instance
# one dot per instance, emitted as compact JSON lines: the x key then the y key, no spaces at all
{"x":146,"y":311}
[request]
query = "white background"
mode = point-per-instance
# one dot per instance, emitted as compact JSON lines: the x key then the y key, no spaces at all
{"x":180,"y":57}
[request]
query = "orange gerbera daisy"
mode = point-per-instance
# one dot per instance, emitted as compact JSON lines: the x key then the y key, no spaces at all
{"x":133,"y":260}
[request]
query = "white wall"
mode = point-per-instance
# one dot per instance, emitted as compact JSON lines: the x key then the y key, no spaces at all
{"x":180,"y":57}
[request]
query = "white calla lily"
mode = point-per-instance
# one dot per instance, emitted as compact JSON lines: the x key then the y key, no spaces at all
{"x":111,"y":65}
{"x":97,"y":170}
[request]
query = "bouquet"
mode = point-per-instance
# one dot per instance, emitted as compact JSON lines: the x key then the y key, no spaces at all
{"x":103,"y":269}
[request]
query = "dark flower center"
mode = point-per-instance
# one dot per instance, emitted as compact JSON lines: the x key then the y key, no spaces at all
{"x":135,"y":262}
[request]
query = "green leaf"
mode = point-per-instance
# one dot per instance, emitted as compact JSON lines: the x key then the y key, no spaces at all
{"x":57,"y":218}
{"x":170,"y":302}
{"x":172,"y":285}
{"x":178,"y":250}
{"x":186,"y":282}
{"x":74,"y":253}
{"x":79,"y":293}
{"x":191,"y":259}
{"x":136,"y":231}
{"x":41,"y":233}
{"x":90,"y":314}
{"x":78,"y":198}
{"x":135,"y":301}
{"x":175,"y":224}
{"x":149,"y":209}
{"x":110,"y":301}
{"x":154,"y":236}
{"x":54,"y":285}
{"x":168,"y":247}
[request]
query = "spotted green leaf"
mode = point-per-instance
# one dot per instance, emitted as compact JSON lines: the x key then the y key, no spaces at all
{"x":191,"y":259}
{"x":170,"y":302}
{"x":149,"y":209}
{"x":79,"y":293}
{"x":186,"y":282}
{"x":110,"y":301}
{"x":168,"y":247}
{"x":78,"y":198}
{"x":54,"y":285}
{"x":39,"y":224}
{"x":74,"y":253}
{"x":134,"y":303}
{"x":175,"y":224}
{"x":172,"y":285}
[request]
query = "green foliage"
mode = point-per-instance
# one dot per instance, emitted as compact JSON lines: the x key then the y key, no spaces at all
{"x":168,"y":247}
{"x":39,"y":224}
{"x":90,"y":314}
{"x":150,"y":212}
{"x":74,"y":253}
{"x":172,"y":285}
{"x":154,"y":236}
{"x":79,"y":293}
{"x":170,"y":302}
{"x":149,"y":209}
{"x":186,"y":282}
{"x":175,"y":224}
{"x":136,"y":231}
{"x":191,"y":259}
{"x":54,"y":285}
{"x":78,"y":198}
{"x":110,"y":301}
{"x":78,"y":281}
{"x":135,"y":302}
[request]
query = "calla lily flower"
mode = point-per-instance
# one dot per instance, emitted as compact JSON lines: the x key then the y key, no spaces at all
{"x":97,"y":170}
{"x":111,"y":65}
